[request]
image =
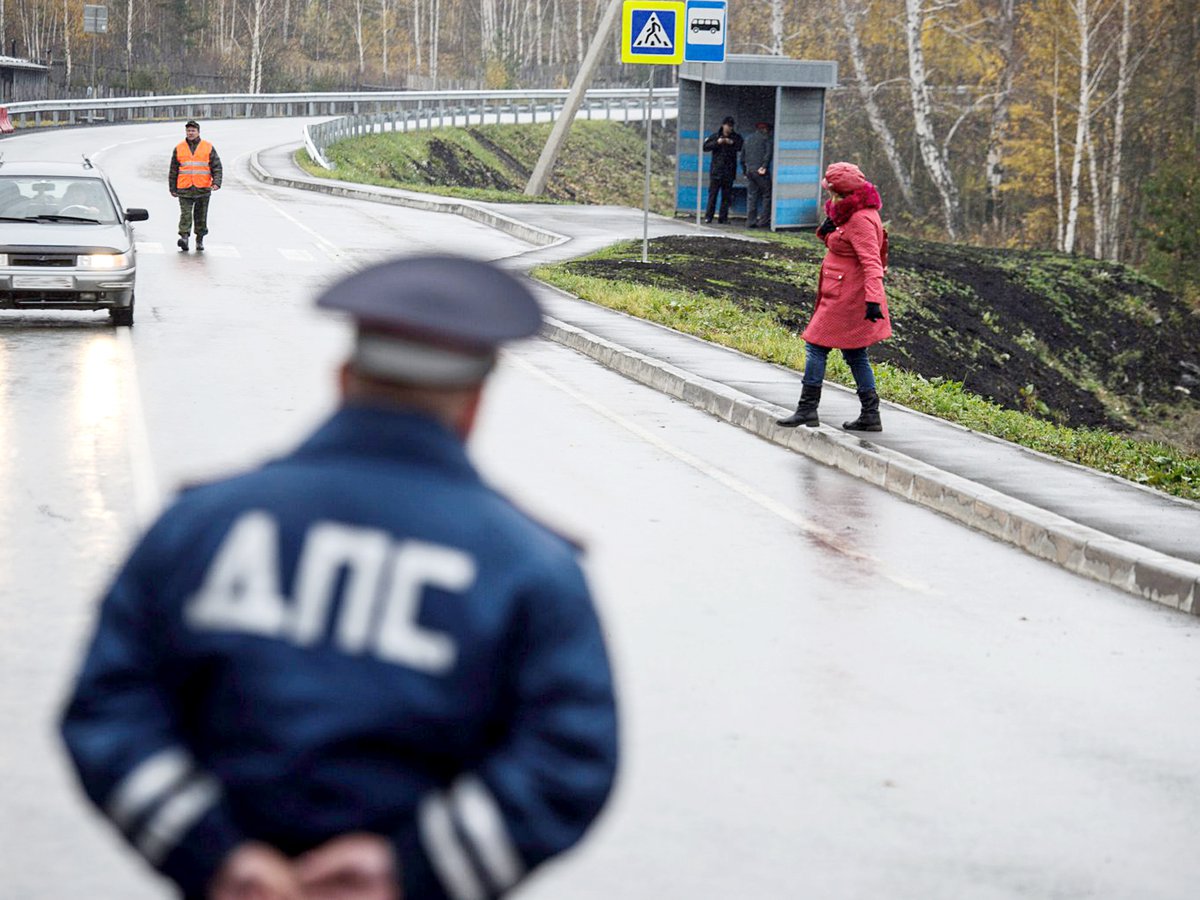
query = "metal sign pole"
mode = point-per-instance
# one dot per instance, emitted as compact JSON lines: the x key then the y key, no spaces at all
{"x":646,"y":196}
{"x":700,"y":142}
{"x":95,"y":21}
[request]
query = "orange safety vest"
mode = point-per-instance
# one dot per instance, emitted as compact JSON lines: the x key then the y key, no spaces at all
{"x":194,"y":170}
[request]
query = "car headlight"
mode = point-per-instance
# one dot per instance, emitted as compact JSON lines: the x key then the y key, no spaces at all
{"x":103,"y":261}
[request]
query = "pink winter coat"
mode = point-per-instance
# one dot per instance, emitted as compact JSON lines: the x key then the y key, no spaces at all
{"x":851,"y":276}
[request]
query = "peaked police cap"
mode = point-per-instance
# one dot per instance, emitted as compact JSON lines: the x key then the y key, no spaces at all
{"x":433,"y":319}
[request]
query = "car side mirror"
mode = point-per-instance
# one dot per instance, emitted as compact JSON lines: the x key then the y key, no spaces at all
{"x":136,"y":215}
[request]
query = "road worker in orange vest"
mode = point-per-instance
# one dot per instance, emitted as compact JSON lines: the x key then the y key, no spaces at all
{"x":195,"y":174}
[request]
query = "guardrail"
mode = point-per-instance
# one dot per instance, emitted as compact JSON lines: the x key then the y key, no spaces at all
{"x":438,"y":111}
{"x":38,"y":113}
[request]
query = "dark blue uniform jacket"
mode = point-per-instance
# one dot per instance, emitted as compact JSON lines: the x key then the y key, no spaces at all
{"x":358,"y":636}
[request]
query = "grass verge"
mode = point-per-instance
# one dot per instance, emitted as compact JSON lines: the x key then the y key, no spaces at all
{"x":759,"y":334}
{"x":600,"y":163}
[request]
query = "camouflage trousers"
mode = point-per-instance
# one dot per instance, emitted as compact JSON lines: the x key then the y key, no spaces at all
{"x":194,"y":208}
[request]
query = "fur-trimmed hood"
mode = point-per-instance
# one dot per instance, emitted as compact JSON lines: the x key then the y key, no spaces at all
{"x":865,"y":197}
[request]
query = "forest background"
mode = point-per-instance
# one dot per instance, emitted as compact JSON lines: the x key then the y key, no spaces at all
{"x":1065,"y":125}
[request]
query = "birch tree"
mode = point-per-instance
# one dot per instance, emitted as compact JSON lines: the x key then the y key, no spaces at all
{"x":66,"y":40}
{"x":358,"y":28}
{"x":1060,"y":233}
{"x":1111,"y":248}
{"x":128,"y":41}
{"x":1095,"y":175}
{"x":776,"y":45}
{"x":385,"y":26}
{"x":258,"y":15}
{"x":933,"y":154}
{"x":487,"y":28}
{"x":435,"y":27}
{"x":1085,"y":32}
{"x":416,"y":31}
{"x":1006,"y":20}
{"x":852,"y":12}
{"x":578,"y":30}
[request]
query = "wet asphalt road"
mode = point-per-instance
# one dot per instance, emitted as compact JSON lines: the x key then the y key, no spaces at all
{"x":826,"y":692}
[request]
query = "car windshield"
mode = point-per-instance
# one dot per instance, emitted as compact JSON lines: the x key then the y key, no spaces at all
{"x":55,"y":199}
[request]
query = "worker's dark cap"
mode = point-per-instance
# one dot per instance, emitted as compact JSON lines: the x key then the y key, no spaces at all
{"x":728,"y":120}
{"x":435,"y":320}
{"x":762,"y":124}
{"x":191,"y":123}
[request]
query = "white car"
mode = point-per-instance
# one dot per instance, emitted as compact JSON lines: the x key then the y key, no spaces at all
{"x":65,"y":241}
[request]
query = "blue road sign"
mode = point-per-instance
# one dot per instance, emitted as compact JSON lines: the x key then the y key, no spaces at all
{"x":704,"y":29}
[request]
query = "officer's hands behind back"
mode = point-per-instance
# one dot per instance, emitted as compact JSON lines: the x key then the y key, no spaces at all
{"x":254,"y":871}
{"x":349,"y":867}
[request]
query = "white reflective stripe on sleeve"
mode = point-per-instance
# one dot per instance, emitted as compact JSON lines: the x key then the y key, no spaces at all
{"x":176,"y":816}
{"x":446,"y":854}
{"x":152,"y":779}
{"x":484,"y":824}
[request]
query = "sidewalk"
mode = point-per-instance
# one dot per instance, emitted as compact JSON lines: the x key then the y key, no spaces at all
{"x":1094,"y":524}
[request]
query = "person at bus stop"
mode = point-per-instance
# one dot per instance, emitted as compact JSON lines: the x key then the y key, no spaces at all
{"x":724,"y":144}
{"x":357,"y":671}
{"x":194,"y":174}
{"x":851,"y":312}
{"x":757,"y":151}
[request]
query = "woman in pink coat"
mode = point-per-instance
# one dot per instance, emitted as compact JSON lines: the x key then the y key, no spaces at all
{"x":851,"y":312}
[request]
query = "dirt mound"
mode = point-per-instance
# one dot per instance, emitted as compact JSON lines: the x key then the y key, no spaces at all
{"x":1076,"y":341}
{"x":451,"y":164}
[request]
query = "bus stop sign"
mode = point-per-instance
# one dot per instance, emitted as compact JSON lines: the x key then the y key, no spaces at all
{"x":704,"y":31}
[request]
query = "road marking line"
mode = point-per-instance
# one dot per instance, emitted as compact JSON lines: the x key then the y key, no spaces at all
{"x":331,"y":249}
{"x":228,"y":250}
{"x":148,"y":247}
{"x":147,"y":497}
{"x":95,"y":156}
{"x":297,"y":255}
{"x":817,"y":532}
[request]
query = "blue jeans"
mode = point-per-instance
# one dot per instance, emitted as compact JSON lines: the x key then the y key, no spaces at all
{"x":815,"y":357}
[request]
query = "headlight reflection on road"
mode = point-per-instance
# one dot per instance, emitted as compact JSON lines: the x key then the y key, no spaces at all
{"x":8,"y":449}
{"x":97,"y":446}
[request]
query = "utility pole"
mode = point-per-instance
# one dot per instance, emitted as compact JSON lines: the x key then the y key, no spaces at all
{"x":558,"y":134}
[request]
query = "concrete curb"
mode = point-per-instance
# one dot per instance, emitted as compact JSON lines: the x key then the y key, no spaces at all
{"x":523,"y":231}
{"x":1085,"y":551}
{"x":1077,"y":548}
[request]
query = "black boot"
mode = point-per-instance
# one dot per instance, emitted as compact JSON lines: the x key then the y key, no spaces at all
{"x":200,"y":242}
{"x":868,"y":419}
{"x":182,"y":243}
{"x":806,"y":409}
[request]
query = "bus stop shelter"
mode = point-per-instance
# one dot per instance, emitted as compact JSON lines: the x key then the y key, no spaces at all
{"x":790,"y":94}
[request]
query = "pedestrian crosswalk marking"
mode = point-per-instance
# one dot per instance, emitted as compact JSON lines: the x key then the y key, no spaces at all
{"x":653,"y":34}
{"x":296,"y":255}
{"x":227,"y":250}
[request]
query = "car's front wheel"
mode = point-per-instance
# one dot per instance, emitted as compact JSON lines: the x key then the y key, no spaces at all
{"x":122,"y":315}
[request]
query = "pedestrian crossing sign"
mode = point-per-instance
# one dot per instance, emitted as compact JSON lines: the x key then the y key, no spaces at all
{"x":652,"y":32}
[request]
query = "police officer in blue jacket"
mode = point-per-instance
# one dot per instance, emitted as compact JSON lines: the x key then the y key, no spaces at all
{"x":357,"y":668}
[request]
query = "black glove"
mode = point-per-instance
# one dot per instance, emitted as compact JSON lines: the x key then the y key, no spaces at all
{"x":826,"y":227}
{"x":874,"y":312}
